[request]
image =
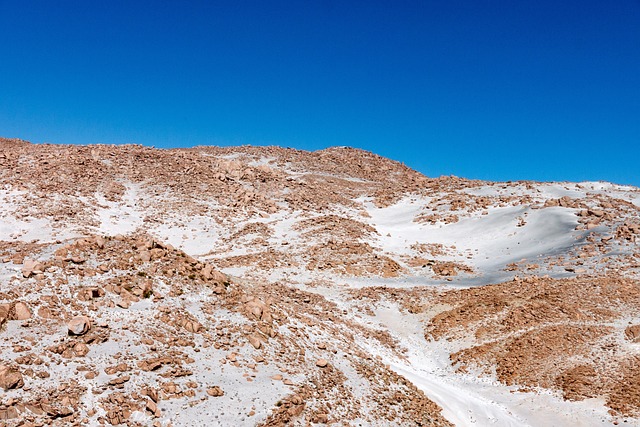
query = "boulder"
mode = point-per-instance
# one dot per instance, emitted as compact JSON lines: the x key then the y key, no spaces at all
{"x":30,"y":267}
{"x":4,"y":313}
{"x":10,"y":378}
{"x":22,"y":311}
{"x":79,"y":325}
{"x":255,"y":342}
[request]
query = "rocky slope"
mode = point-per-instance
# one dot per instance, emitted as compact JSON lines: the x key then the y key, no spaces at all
{"x":271,"y":286}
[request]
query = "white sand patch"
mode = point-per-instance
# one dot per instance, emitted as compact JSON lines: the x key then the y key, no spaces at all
{"x":493,"y":240}
{"x":499,"y":241}
{"x":262,"y":161}
{"x":194,"y":235}
{"x":27,"y":230}
{"x":15,"y":224}
{"x":121,"y":217}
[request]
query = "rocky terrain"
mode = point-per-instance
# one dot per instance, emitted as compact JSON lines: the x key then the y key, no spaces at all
{"x":272,"y":286}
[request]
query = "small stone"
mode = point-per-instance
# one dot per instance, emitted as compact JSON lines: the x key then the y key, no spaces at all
{"x":256,"y":310}
{"x":192,"y":326}
{"x":81,"y":349}
{"x":254,"y":341}
{"x":123,"y":304}
{"x":321,"y":418}
{"x":145,"y":256}
{"x":215,"y":391}
{"x":100,"y":242}
{"x":151,"y":406}
{"x":322,"y":363}
{"x":150,"y":393}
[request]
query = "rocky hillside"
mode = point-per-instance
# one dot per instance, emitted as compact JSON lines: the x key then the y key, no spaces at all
{"x":271,"y":286}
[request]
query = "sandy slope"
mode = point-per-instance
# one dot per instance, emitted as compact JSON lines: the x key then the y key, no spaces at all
{"x":337,"y":255}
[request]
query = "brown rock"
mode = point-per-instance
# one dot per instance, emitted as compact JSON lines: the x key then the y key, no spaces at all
{"x":633,"y":333}
{"x":214,"y":275}
{"x":153,"y":364}
{"x":219,"y":289}
{"x":145,"y":256}
{"x":22,"y":311}
{"x":79,"y":325}
{"x":192,"y":326}
{"x":256,"y":310}
{"x":81,"y":349}
{"x":321,"y":418}
{"x":87,"y":294}
{"x":115,"y":417}
{"x":4,"y":313}
{"x":215,"y":391}
{"x":9,"y":413}
{"x":151,"y":393}
{"x":120,"y":380}
{"x":45,"y":313}
{"x":206,"y":272}
{"x":151,"y":406}
{"x":157,"y":253}
{"x":122,"y":303}
{"x":100,"y":242}
{"x":255,"y":342}
{"x":296,"y":410}
{"x":10,"y":378}
{"x":322,"y":363}
{"x":30,"y":267}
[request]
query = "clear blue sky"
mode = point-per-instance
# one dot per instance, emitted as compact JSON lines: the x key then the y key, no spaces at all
{"x":504,"y":89}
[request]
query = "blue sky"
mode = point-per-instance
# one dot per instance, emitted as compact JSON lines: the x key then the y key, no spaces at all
{"x":500,"y":90}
